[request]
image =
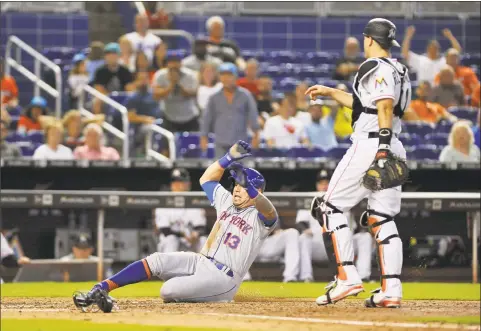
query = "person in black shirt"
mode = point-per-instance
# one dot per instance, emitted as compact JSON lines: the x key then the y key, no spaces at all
{"x":217,"y":46}
{"x":111,"y":76}
{"x":347,"y":66}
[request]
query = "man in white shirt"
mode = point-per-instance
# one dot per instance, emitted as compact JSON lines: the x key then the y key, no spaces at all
{"x":180,"y":229}
{"x":141,"y":39}
{"x":284,"y":130}
{"x":426,"y":66}
{"x":52,"y":149}
{"x":82,"y":248}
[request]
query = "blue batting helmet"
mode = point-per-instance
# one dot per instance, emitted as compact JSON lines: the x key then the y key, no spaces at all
{"x":256,"y":178}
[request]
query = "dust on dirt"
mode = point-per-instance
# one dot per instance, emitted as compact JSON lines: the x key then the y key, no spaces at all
{"x":153,"y":311}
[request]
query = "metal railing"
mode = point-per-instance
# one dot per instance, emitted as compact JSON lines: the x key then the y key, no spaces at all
{"x":174,"y":33}
{"x":124,"y":136}
{"x":151,"y":153}
{"x":34,"y":77}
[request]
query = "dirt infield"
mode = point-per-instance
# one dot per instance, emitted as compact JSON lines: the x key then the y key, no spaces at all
{"x":246,"y":313}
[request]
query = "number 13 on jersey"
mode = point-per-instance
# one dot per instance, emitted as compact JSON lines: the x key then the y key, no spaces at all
{"x":231,"y":240}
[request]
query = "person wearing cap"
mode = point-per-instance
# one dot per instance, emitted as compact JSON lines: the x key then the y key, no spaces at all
{"x":229,"y":114}
{"x":141,"y":39}
{"x":224,"y":49}
{"x":30,"y":120}
{"x":320,"y":131}
{"x":464,"y":75}
{"x":175,"y":87}
{"x":77,"y":79}
{"x":427,"y":65}
{"x":8,"y":88}
{"x":346,"y":67}
{"x":82,"y":249}
{"x":95,"y":58}
{"x":199,"y":56}
{"x":180,"y":229}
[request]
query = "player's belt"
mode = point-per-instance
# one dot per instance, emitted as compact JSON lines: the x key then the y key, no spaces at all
{"x":375,"y":134}
{"x":222,"y":267}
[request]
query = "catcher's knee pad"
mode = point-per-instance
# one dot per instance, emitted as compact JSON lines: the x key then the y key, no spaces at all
{"x":389,"y":244}
{"x":321,"y":209}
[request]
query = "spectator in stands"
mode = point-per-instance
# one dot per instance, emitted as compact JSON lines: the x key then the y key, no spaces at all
{"x":475,"y":97}
{"x":112,"y":76}
{"x":224,"y":49}
{"x":249,"y":81}
{"x":141,"y":39}
{"x":265,"y":102}
{"x":302,"y":102}
{"x":82,"y":249}
{"x":7,"y":150}
{"x":8,"y":88}
{"x":461,"y":146}
{"x":464,"y":75}
{"x":160,"y":57}
{"x":343,"y":118}
{"x":142,"y":63}
{"x":30,"y":120}
{"x":94,"y":149}
{"x":320,"y":131}
{"x":77,"y":79}
{"x":476,"y":130}
{"x":127,"y":54}
{"x":346,"y":67}
{"x":208,"y":84}
{"x":426,"y":66}
{"x":73,"y":123}
{"x":449,"y":92}
{"x":177,"y":87}
{"x":284,"y":130}
{"x":199,"y":56}
{"x":423,"y":110}
{"x":95,"y":59}
{"x":53,"y":149}
{"x":229,"y":113}
{"x":143,"y":111}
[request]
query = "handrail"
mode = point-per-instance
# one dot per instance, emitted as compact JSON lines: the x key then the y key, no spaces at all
{"x":150,"y":153}
{"x":174,"y":33}
{"x":38,"y":82}
{"x":124,"y":136}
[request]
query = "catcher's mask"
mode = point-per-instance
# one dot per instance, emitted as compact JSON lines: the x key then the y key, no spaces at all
{"x":254,"y":176}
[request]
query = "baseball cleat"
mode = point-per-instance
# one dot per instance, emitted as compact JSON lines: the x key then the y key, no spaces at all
{"x":338,"y":290}
{"x":96,"y":296}
{"x":380,"y":300}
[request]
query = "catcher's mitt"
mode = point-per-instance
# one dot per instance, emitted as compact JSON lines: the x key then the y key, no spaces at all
{"x":385,"y":172}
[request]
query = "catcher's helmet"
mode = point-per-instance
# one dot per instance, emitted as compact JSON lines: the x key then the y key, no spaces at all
{"x":254,"y":177}
{"x":383,"y":31}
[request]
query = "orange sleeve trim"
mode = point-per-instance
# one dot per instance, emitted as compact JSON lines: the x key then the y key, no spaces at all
{"x":147,"y":268}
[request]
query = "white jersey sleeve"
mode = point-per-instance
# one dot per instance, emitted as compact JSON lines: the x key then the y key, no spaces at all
{"x":5,"y":249}
{"x":197,"y":217}
{"x":381,"y":84}
{"x":222,"y":199}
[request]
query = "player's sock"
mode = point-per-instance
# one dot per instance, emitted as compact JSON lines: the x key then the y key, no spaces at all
{"x":133,"y":273}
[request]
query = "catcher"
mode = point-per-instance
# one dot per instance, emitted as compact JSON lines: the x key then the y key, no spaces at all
{"x":372,"y":168}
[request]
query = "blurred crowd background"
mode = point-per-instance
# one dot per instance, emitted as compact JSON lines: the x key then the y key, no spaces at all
{"x":193,"y":78}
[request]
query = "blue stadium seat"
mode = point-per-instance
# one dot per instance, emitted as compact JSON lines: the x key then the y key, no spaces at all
{"x":15,"y":137}
{"x":427,"y":152}
{"x":419,"y":128}
{"x":443,"y":127}
{"x":120,"y":97}
{"x":409,"y":139}
{"x":15,"y":111}
{"x":337,"y":152}
{"x":268,"y":152}
{"x":437,"y":138}
{"x":35,"y":137}
{"x":466,"y":113}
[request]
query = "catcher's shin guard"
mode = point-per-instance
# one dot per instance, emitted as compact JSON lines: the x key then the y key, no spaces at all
{"x":337,"y":238}
{"x":389,"y":251}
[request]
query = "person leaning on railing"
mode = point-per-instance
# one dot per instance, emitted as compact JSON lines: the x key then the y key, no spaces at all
{"x":94,"y":148}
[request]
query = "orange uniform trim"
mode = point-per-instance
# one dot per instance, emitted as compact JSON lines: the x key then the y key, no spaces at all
{"x":147,"y":268}
{"x":341,"y":273}
{"x":111,"y":284}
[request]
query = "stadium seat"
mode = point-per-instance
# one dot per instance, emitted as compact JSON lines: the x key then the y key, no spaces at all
{"x":303,"y":152}
{"x":444,"y":127}
{"x":437,"y":138}
{"x":426,"y":152}
{"x":268,"y":152}
{"x":35,"y":137}
{"x":337,"y":152}
{"x":419,"y":128}
{"x":409,"y":139}
{"x":466,"y":113}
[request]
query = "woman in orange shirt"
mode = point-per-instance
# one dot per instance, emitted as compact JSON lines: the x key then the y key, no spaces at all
{"x":30,"y":120}
{"x":8,"y":88}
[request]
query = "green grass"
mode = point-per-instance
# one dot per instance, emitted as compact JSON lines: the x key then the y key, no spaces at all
{"x":63,"y":325}
{"x":412,"y":291}
{"x":469,"y":320}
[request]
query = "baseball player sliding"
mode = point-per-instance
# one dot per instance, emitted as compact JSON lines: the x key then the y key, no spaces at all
{"x":245,"y":217}
{"x":372,"y":168}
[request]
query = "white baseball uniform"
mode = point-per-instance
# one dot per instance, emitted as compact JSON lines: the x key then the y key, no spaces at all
{"x":179,"y":220}
{"x":216,"y":273}
{"x":5,"y":250}
{"x":376,"y":79}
